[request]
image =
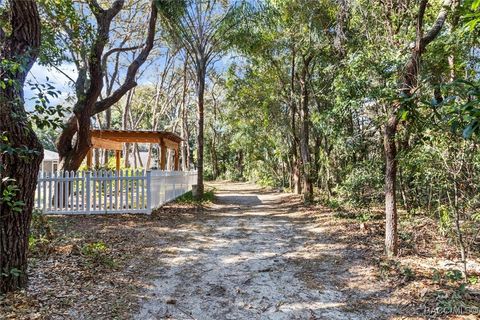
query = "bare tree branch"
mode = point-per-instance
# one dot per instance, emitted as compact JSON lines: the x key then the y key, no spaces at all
{"x":130,"y":82}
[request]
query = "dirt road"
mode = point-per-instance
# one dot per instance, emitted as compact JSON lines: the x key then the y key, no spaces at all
{"x":257,"y":255}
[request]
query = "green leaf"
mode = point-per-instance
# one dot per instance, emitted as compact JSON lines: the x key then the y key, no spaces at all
{"x":15,"y":272}
{"x":475,"y":5}
{"x":470,"y":129}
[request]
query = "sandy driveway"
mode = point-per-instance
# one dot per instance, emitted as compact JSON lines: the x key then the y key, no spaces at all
{"x":255,"y":255}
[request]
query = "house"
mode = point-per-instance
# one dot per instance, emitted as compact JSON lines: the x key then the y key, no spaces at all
{"x":50,"y":162}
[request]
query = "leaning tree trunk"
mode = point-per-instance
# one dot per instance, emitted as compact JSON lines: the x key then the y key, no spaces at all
{"x":74,"y":142}
{"x":126,"y":111}
{"x":75,"y":139}
{"x":18,"y":169}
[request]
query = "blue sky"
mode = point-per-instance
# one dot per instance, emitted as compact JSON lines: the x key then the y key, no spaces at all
{"x":40,"y":73}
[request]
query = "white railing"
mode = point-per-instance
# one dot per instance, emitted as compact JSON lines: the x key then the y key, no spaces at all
{"x":169,"y":185}
{"x":105,"y":192}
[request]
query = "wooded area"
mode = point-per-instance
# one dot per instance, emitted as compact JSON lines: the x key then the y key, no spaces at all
{"x":365,"y":107}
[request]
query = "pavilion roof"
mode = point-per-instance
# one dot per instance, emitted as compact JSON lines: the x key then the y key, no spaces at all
{"x":112,"y":139}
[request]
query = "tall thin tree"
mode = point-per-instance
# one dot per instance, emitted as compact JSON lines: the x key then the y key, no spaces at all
{"x":408,"y":85}
{"x":198,"y":26}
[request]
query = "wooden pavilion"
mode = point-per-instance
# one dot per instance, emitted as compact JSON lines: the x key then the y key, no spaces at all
{"x":114,"y":140}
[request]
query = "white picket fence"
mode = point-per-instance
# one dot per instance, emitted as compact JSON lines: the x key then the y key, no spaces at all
{"x":105,"y":192}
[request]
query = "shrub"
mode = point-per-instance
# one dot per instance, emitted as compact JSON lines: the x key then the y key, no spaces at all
{"x":98,"y":253}
{"x":41,"y":233}
{"x":363,"y":185}
{"x":187,"y":198}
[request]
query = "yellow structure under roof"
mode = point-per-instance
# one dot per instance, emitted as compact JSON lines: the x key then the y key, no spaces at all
{"x":114,"y":140}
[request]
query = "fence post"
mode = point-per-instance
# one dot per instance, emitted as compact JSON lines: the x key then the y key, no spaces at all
{"x":149,"y":192}
{"x":87,"y":190}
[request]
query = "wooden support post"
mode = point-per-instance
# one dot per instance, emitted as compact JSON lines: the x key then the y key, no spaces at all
{"x":117,"y":159}
{"x":89,"y":159}
{"x":163,"y":155}
{"x":176,"y":162}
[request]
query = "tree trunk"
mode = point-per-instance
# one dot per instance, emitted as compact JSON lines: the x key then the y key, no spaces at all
{"x":126,"y":111}
{"x":18,"y":170}
{"x":140,"y":161}
{"x":296,"y":176}
{"x":75,"y":140}
{"x":201,"y":75}
{"x":304,"y":134}
{"x":185,"y":135}
{"x":316,"y":160}
{"x":108,"y":125}
{"x":391,"y":236}
{"x":213,"y":149}
{"x":213,"y":155}
{"x":96,"y":156}
{"x":240,"y":163}
{"x":297,"y":187}
{"x":22,"y":171}
{"x":340,"y":28}
{"x":408,"y":85}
